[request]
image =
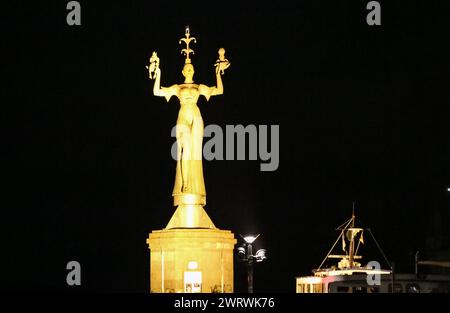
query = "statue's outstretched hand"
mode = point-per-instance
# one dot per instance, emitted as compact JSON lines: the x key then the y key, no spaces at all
{"x":221,"y":66}
{"x":155,"y":70}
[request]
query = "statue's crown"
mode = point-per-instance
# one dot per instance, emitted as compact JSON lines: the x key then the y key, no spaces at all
{"x":186,"y":51}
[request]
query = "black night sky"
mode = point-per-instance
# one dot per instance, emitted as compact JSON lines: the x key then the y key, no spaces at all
{"x":363,"y":114}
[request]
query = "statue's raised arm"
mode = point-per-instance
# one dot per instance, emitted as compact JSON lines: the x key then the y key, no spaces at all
{"x":155,"y":73}
{"x":221,"y":65}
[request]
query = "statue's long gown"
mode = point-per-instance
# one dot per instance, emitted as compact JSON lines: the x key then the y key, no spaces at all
{"x":189,"y":132}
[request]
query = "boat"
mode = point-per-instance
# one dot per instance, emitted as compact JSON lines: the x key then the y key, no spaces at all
{"x":350,"y":276}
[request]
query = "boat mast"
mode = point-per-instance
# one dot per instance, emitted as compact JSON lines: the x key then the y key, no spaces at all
{"x":352,"y":238}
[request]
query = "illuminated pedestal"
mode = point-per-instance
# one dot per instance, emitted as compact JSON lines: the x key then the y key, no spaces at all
{"x":191,"y":260}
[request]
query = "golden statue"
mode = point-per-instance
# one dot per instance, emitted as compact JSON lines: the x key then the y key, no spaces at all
{"x":190,"y":250}
{"x":189,"y":188}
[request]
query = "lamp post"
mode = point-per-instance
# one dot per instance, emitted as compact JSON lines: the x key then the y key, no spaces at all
{"x":245,"y":254}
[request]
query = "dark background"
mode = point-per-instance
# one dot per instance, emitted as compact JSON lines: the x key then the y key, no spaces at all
{"x":363,"y":115}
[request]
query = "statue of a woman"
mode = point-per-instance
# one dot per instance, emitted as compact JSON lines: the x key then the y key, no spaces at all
{"x":189,"y":185}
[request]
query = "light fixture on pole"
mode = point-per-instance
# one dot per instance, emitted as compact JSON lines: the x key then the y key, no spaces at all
{"x":245,"y":254}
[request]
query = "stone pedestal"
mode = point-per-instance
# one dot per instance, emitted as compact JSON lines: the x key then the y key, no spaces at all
{"x":178,"y":254}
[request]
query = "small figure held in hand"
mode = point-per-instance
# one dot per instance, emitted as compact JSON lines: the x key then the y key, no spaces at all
{"x":221,"y":64}
{"x":154,"y":66}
